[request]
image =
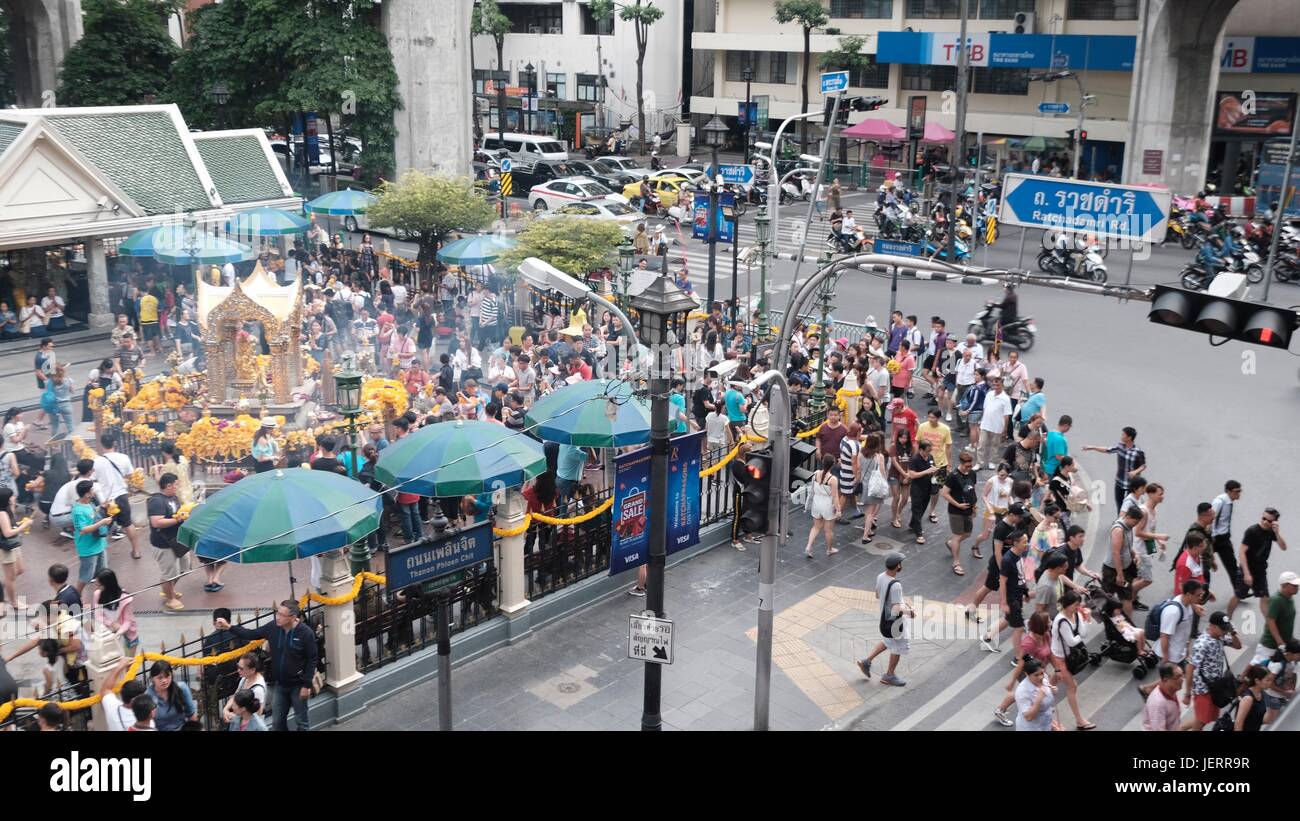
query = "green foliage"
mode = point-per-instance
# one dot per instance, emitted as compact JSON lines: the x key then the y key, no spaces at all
{"x":642,"y":16}
{"x":124,"y":57}
{"x":282,"y":57}
{"x":488,"y":19}
{"x":808,"y":14}
{"x":848,"y":56}
{"x":429,"y":207}
{"x":575,"y":246}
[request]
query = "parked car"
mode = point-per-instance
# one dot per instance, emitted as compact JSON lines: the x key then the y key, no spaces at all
{"x":558,"y":193}
{"x":543,"y":171}
{"x":525,"y":150}
{"x":620,"y":212}
{"x":348,"y":164}
{"x":623,"y":165}
{"x":613,"y":180}
{"x":669,"y":189}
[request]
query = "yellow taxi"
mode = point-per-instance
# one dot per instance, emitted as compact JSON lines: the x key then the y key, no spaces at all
{"x":669,"y":189}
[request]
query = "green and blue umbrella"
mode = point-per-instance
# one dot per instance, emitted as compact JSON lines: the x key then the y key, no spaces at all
{"x":196,"y":248}
{"x":345,"y":202}
{"x":267,"y":222}
{"x":596,"y":413}
{"x":282,"y":515}
{"x":476,"y":250}
{"x":460,"y":458}
{"x":147,"y":241}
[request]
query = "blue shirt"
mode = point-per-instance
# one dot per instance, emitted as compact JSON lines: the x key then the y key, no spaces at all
{"x":1034,"y":404}
{"x":1053,"y":449}
{"x":678,"y":402}
{"x":88,"y":544}
{"x":733,"y":401}
{"x":346,"y":458}
{"x":167,"y":717}
{"x":571,"y":462}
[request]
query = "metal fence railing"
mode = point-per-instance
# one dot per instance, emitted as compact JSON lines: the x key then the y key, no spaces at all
{"x":558,"y":556}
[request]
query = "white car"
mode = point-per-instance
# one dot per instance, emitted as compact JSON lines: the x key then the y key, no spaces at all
{"x":554,"y":194}
{"x":623,"y":165}
{"x":620,"y":212}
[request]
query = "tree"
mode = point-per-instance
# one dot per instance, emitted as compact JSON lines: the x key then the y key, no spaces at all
{"x":847,"y":57}
{"x":574,"y":245}
{"x":642,"y":17}
{"x":124,"y":57}
{"x":284,"y":57}
{"x":808,"y":14}
{"x":489,"y":20}
{"x":427,"y":208}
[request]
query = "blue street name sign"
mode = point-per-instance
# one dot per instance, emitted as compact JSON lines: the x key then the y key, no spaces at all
{"x":1053,"y":108}
{"x":898,"y":248}
{"x":733,"y":174}
{"x":835,"y":81}
{"x":1120,"y":211}
{"x":452,"y":553}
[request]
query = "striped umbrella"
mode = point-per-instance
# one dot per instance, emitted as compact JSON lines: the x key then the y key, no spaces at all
{"x":146,"y":241}
{"x":204,"y":248}
{"x":459,"y":458}
{"x":267,"y":222}
{"x":282,"y":515}
{"x":347,"y":201}
{"x":476,"y":250}
{"x":596,"y":413}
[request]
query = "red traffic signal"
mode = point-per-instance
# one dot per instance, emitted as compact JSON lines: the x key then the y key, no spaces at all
{"x":1223,"y":316}
{"x":1083,"y":136}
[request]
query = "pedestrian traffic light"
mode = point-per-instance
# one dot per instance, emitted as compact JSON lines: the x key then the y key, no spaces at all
{"x":1069,"y":137}
{"x":1083,"y":136}
{"x":801,"y":453}
{"x":850,"y":104}
{"x":757,"y":492}
{"x":1223,"y":316}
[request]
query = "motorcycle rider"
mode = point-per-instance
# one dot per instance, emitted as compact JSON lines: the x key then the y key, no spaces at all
{"x":1062,"y":252}
{"x":1005,"y":312}
{"x":1210,"y":257}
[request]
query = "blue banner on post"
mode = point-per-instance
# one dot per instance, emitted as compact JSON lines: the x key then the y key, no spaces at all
{"x":426,"y":562}
{"x":630,"y":534}
{"x":726,"y":217}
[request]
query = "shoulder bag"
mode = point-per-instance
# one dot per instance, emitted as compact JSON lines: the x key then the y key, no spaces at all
{"x":1076,"y":657}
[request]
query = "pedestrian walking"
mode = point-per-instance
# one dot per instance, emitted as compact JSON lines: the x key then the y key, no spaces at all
{"x":173,"y":701}
{"x":1014,"y":585}
{"x":1161,"y":713}
{"x":1117,"y":568}
{"x":993,"y":422}
{"x":90,"y":525}
{"x":1035,"y":646}
{"x":173,"y":558}
{"x":1279,"y":619}
{"x":110,"y":471}
{"x":874,"y":484}
{"x":1283,"y":665}
{"x":1131,"y":460}
{"x":115,"y":611}
{"x":1251,"y":707}
{"x":1220,"y":526}
{"x":823,"y":506}
{"x":1207,"y":668}
{"x":1035,"y":699}
{"x":920,"y":469}
{"x":1256,"y":544}
{"x":894,"y":613}
{"x":292,"y":646}
{"x":959,"y":491}
{"x":850,"y":469}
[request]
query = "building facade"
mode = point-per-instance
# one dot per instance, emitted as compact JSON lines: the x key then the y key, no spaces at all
{"x":583,"y":69}
{"x":911,"y":44}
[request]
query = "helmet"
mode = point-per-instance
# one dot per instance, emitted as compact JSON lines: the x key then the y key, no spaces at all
{"x":1238,"y":231}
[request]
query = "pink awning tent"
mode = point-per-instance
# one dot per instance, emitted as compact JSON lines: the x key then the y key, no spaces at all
{"x":935,"y":133}
{"x":874,"y":129}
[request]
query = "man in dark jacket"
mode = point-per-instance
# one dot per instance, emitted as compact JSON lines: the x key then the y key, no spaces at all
{"x":292,"y":645}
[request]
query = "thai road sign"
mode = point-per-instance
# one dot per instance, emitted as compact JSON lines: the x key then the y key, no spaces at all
{"x":1053,"y":108}
{"x":898,"y":248}
{"x":733,"y":174}
{"x":834,"y":81}
{"x":650,"y":639}
{"x":1121,"y":211}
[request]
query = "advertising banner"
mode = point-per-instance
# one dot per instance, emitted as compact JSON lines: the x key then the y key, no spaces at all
{"x":630,"y":534}
{"x":1254,"y":114}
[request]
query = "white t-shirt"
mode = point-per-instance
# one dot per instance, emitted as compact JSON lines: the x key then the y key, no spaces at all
{"x":715,"y":426}
{"x":53,"y":306}
{"x":1065,"y":634}
{"x":997,"y":406}
{"x":892,"y":607}
{"x":117,"y":716}
{"x":12,"y":431}
{"x":966,"y":371}
{"x":1175,"y":622}
{"x":67,"y":497}
{"x":399,"y":296}
{"x":111,"y":470}
{"x":976,"y":350}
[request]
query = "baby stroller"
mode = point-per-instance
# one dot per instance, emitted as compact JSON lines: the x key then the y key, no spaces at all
{"x":1116,"y":646}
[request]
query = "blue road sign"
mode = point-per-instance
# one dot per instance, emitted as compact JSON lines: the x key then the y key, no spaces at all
{"x":1053,"y":108}
{"x":733,"y":174}
{"x":449,"y":554}
{"x":898,"y":248}
{"x":1121,"y":211}
{"x":833,"y":81}
{"x":505,"y":165}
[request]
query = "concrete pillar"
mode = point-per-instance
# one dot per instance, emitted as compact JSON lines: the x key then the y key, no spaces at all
{"x":104,"y":653}
{"x":101,"y":312}
{"x":1171,"y":104}
{"x":510,"y":563}
{"x":431,"y":55}
{"x":340,"y":623}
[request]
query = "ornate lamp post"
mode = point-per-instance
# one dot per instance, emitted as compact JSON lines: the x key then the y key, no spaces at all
{"x":715,"y":133}
{"x":747,"y":74}
{"x":532,"y":93}
{"x":347,"y":393}
{"x":762,"y":227}
{"x":220,"y":94}
{"x":663,"y":308}
{"x":825,"y":292}
{"x":625,"y":265}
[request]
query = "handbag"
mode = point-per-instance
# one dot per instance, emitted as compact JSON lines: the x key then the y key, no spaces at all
{"x":877,"y":485}
{"x":1076,"y":657}
{"x":1222,"y":689}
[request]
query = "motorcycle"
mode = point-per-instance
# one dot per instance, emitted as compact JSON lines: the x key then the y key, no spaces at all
{"x":940,"y":250}
{"x":1195,"y":277}
{"x":1050,"y":263}
{"x":1019,"y":333}
{"x":1244,"y":260}
{"x":1092,"y":265}
{"x":848,"y":243}
{"x":796,"y":188}
{"x":651,"y":207}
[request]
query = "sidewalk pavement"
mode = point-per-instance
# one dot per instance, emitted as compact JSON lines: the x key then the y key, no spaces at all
{"x":574,"y":674}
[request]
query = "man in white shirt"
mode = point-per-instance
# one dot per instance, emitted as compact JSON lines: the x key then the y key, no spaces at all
{"x":997,"y":410}
{"x":111,"y":470}
{"x":228,"y":274}
{"x":1176,"y":627}
{"x":291,"y":267}
{"x":118,"y":715}
{"x":399,"y":296}
{"x":972,"y":343}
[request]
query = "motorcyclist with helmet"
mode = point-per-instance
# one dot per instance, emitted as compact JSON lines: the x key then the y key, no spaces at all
{"x":1004,"y":313}
{"x":1211,"y":258}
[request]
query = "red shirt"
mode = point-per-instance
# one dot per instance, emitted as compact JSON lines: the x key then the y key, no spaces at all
{"x":416,"y":380}
{"x":1182,"y":572}
{"x":908,"y":417}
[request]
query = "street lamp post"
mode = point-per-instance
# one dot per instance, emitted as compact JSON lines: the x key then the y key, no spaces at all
{"x":625,"y":264}
{"x":532,"y":95}
{"x":347,"y":392}
{"x":662,"y":306}
{"x":817,"y":404}
{"x":747,"y":74}
{"x":715,"y":131}
{"x":762,"y":225}
{"x":220,"y":93}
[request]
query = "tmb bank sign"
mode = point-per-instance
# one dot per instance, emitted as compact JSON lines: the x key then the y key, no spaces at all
{"x":427,"y":561}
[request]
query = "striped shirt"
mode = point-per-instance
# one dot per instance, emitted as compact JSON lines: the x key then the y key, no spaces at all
{"x":849,"y":448}
{"x":488,"y":310}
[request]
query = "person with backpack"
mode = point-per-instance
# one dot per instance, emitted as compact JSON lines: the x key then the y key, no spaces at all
{"x":1210,"y":685}
{"x":893,"y":626}
{"x":1168,"y":626}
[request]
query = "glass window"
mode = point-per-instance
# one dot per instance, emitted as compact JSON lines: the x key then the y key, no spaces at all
{"x":1103,"y":10}
{"x":939,"y":9}
{"x":768,"y":66}
{"x":862,"y":9}
{"x":929,"y":78}
{"x":527,"y":79}
{"x":534,"y":18}
{"x":999,"y":81}
{"x":482,"y":75}
{"x":590,"y":25}
{"x":1004,"y":9}
{"x":555,"y":85}
{"x":776,"y":67}
{"x":592,"y":189}
{"x":589,"y":88}
{"x":550,"y":147}
{"x":874,"y":75}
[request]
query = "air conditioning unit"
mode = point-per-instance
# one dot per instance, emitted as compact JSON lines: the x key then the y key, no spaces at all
{"x":1024,"y":23}
{"x":555,"y":30}
{"x":534,"y":29}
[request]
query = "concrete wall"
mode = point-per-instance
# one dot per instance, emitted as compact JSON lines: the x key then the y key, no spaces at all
{"x":431,"y":55}
{"x":40,"y":33}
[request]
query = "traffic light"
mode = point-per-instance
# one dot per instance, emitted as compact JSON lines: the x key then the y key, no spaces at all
{"x":757,"y":491}
{"x":1069,"y":136}
{"x":1223,"y":317}
{"x":850,"y":104}
{"x":1083,"y":137}
{"x":801,"y":453}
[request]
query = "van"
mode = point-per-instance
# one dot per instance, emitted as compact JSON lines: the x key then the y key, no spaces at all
{"x":527,"y":149}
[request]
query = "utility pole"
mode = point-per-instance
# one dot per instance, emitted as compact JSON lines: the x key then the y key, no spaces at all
{"x":957,"y":161}
{"x":1283,"y":199}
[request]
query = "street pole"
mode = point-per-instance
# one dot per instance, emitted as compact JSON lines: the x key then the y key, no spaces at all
{"x":1283,"y":199}
{"x":444,"y":662}
{"x":749,"y":76}
{"x":659,"y":387}
{"x":713,"y":226}
{"x":778,"y":420}
{"x":957,"y":162}
{"x":818,"y":404}
{"x":501,"y":127}
{"x":1078,"y":131}
{"x":763,"y":228}
{"x":735,"y":266}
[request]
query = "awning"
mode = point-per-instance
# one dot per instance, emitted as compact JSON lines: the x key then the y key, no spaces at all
{"x":875,"y":129}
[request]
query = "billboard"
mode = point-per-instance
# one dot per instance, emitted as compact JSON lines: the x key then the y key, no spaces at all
{"x":1254,"y":114}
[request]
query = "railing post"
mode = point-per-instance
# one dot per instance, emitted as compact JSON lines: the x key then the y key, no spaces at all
{"x":105,"y":653}
{"x":510,"y":565}
{"x":340,"y":623}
